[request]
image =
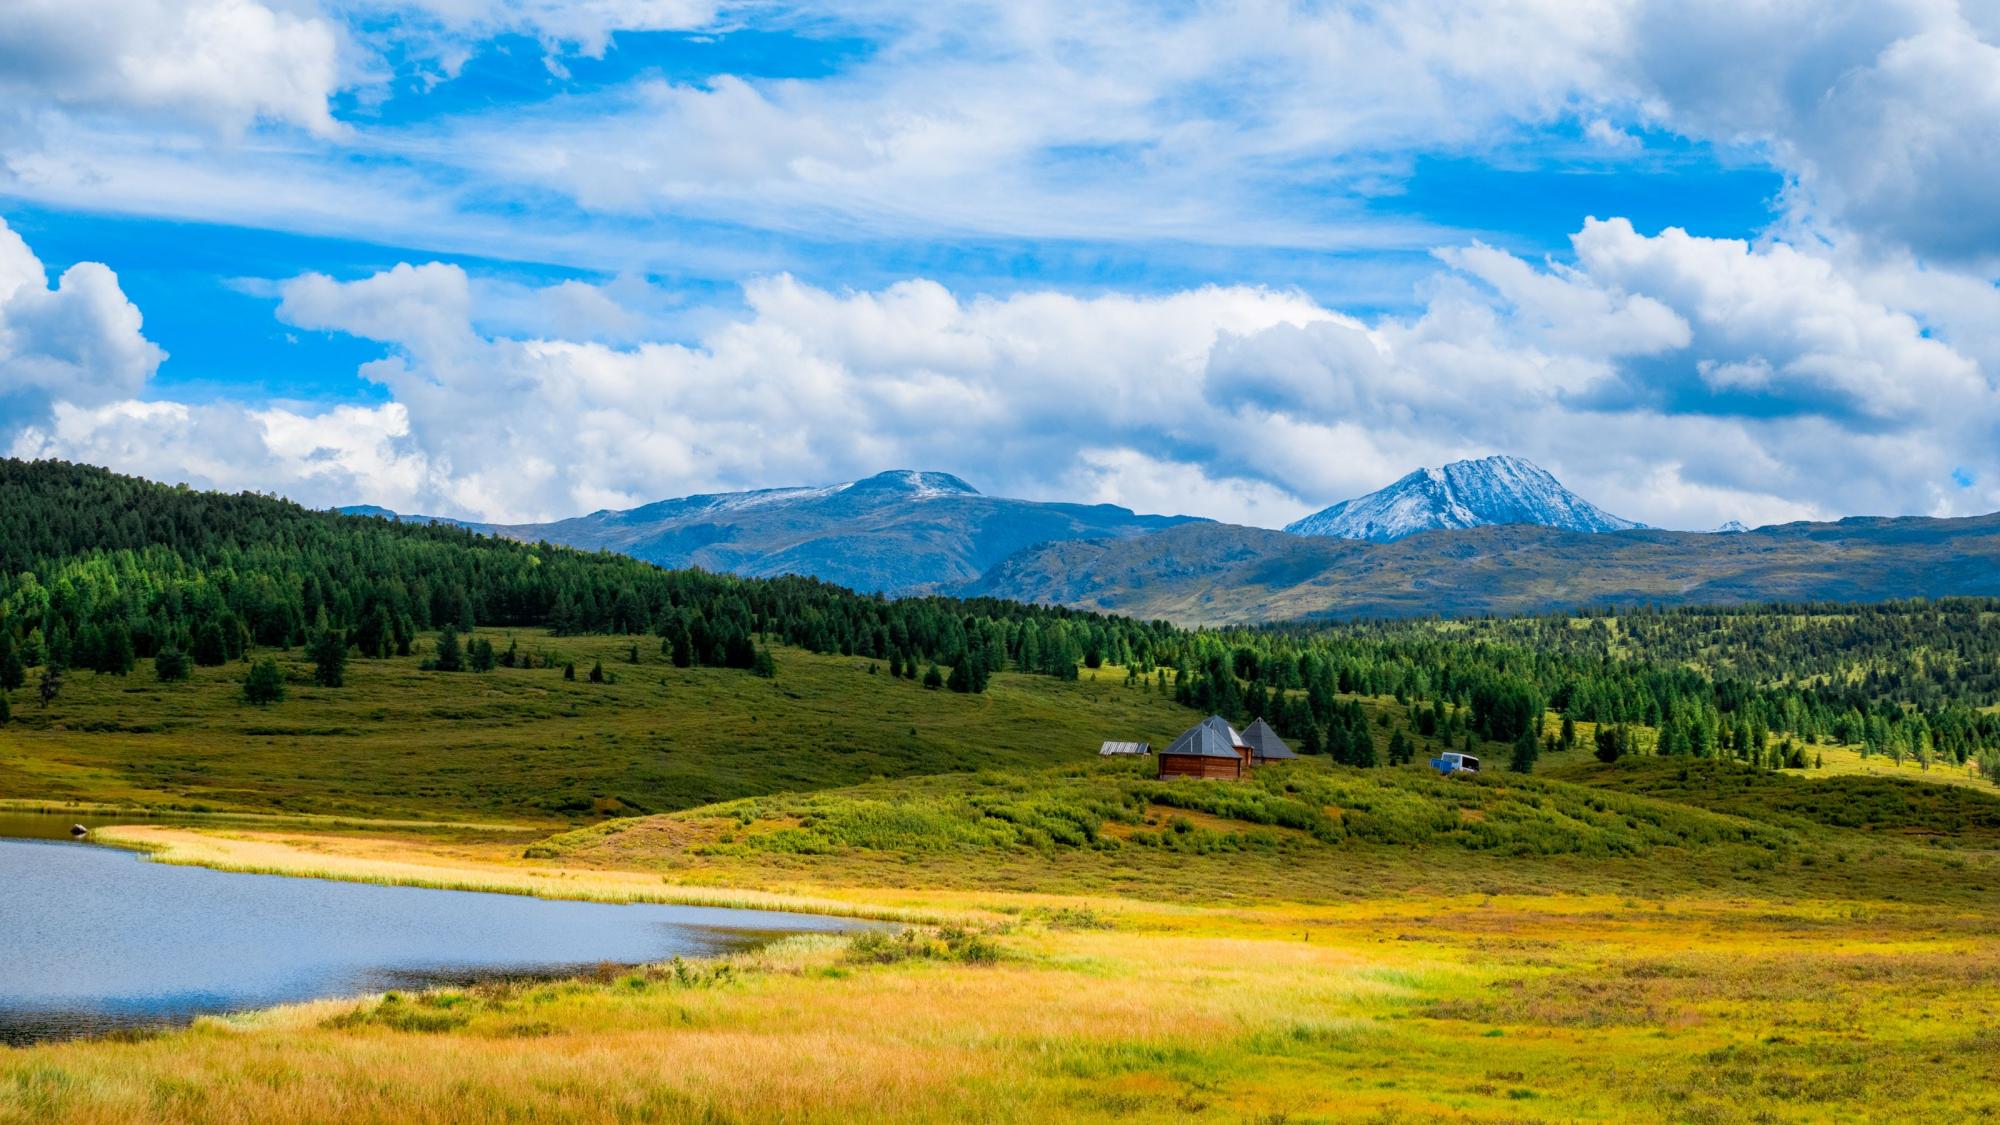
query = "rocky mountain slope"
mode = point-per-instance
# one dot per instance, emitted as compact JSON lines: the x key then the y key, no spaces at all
{"x":1490,"y":490}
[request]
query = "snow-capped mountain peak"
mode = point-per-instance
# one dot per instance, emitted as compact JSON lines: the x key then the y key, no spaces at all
{"x":1462,"y":494}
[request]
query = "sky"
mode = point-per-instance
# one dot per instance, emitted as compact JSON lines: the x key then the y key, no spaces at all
{"x":516,"y":260}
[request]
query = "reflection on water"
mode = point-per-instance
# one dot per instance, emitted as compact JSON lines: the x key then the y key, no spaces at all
{"x":93,"y":939}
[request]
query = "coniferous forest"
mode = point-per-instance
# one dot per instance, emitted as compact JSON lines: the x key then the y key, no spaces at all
{"x":123,"y":576}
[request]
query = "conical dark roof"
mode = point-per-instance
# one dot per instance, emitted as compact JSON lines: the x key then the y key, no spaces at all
{"x":1264,"y":742}
{"x":1213,"y":737}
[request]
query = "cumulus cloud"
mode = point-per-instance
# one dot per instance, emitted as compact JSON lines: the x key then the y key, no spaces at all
{"x":78,"y":341}
{"x":1673,"y":379}
{"x":1882,"y":111}
{"x":226,"y":63}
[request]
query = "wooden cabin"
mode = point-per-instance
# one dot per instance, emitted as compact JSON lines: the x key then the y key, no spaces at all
{"x":1265,"y":745}
{"x":1210,"y":748}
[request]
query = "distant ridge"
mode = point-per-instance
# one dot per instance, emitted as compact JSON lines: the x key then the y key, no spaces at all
{"x":1216,"y":573}
{"x":1490,"y":490}
{"x":904,"y":531}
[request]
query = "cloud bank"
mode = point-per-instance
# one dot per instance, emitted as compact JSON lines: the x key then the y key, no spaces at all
{"x":1674,"y":379}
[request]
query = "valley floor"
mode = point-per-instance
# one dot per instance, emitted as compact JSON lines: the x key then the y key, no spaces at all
{"x":1413,"y":1003}
{"x":1661,"y":939}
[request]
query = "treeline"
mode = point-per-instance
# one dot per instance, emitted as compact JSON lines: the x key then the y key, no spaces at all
{"x":1910,"y":680}
{"x":100,"y":571}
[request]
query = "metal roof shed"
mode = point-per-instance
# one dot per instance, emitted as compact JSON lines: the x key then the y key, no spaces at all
{"x":1264,"y":743}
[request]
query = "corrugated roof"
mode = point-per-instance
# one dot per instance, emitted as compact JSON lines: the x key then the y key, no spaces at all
{"x":1213,"y":737}
{"x":1110,"y":748}
{"x":1265,"y":743}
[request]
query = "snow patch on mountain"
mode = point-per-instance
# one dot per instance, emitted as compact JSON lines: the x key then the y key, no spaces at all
{"x":1490,"y":490}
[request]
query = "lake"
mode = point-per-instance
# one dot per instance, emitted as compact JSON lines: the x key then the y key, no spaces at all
{"x":95,"y":938}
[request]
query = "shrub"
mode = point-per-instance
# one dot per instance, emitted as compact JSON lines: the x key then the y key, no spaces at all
{"x":172,"y":665}
{"x":265,"y":684}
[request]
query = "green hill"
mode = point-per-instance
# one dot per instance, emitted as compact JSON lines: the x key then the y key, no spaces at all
{"x":1308,"y":831}
{"x":527,"y":744}
{"x":1881,"y":805}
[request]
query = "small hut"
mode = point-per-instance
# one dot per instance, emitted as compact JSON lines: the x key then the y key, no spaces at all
{"x":1119,"y":749}
{"x":1210,"y":748}
{"x":1265,"y":745}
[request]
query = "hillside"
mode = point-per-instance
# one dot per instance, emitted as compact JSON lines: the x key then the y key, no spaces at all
{"x":1308,"y":832}
{"x":1490,"y":490}
{"x":1209,"y":573}
{"x":528,"y":745}
{"x":897,"y":532}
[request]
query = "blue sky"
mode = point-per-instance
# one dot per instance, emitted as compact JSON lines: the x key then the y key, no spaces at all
{"x":519,"y":260}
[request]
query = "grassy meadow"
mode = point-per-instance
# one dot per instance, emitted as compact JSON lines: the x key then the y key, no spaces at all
{"x":1658,"y":939}
{"x":527,"y":746}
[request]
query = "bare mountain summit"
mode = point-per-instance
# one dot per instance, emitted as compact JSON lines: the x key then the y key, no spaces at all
{"x":1490,"y":490}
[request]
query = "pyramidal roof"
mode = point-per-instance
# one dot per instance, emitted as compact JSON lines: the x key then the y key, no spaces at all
{"x":1265,"y":743}
{"x":1213,"y":737}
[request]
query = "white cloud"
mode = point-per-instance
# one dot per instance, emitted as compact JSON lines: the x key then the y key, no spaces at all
{"x":321,"y":457}
{"x":225,"y":63}
{"x":426,"y":308}
{"x":79,"y":340}
{"x":1882,"y":110}
{"x":1677,"y":380}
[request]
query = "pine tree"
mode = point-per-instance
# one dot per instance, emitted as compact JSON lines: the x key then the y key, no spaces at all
{"x":597,"y":672}
{"x":569,"y":671}
{"x":450,"y":655}
{"x":265,"y":684}
{"x":763,"y":665}
{"x":328,"y":653}
{"x":1399,"y":748}
{"x":1526,"y":749}
{"x":933,"y":678}
{"x":479,"y":655}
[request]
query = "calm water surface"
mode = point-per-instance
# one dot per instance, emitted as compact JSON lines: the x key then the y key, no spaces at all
{"x":95,"y":938}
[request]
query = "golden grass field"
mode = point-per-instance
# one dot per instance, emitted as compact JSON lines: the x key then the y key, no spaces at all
{"x":1749,"y":968}
{"x":1388,"y":1007}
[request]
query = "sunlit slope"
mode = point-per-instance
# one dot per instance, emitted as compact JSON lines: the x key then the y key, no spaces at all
{"x":1313,"y":831}
{"x":526,"y":744}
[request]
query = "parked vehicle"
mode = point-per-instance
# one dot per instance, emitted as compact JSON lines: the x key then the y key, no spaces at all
{"x":1452,"y":762}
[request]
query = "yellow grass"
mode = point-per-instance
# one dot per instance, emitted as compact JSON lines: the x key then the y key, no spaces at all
{"x":1440,"y":1006}
{"x":1848,"y":760}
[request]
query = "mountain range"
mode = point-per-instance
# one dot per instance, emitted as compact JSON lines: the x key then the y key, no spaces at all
{"x":898,"y":532}
{"x":1216,"y":573}
{"x":1494,"y":535}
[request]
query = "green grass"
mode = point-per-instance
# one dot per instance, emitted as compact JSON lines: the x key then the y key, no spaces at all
{"x":1307,"y":831}
{"x":526,"y":745}
{"x":1877,"y":805}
